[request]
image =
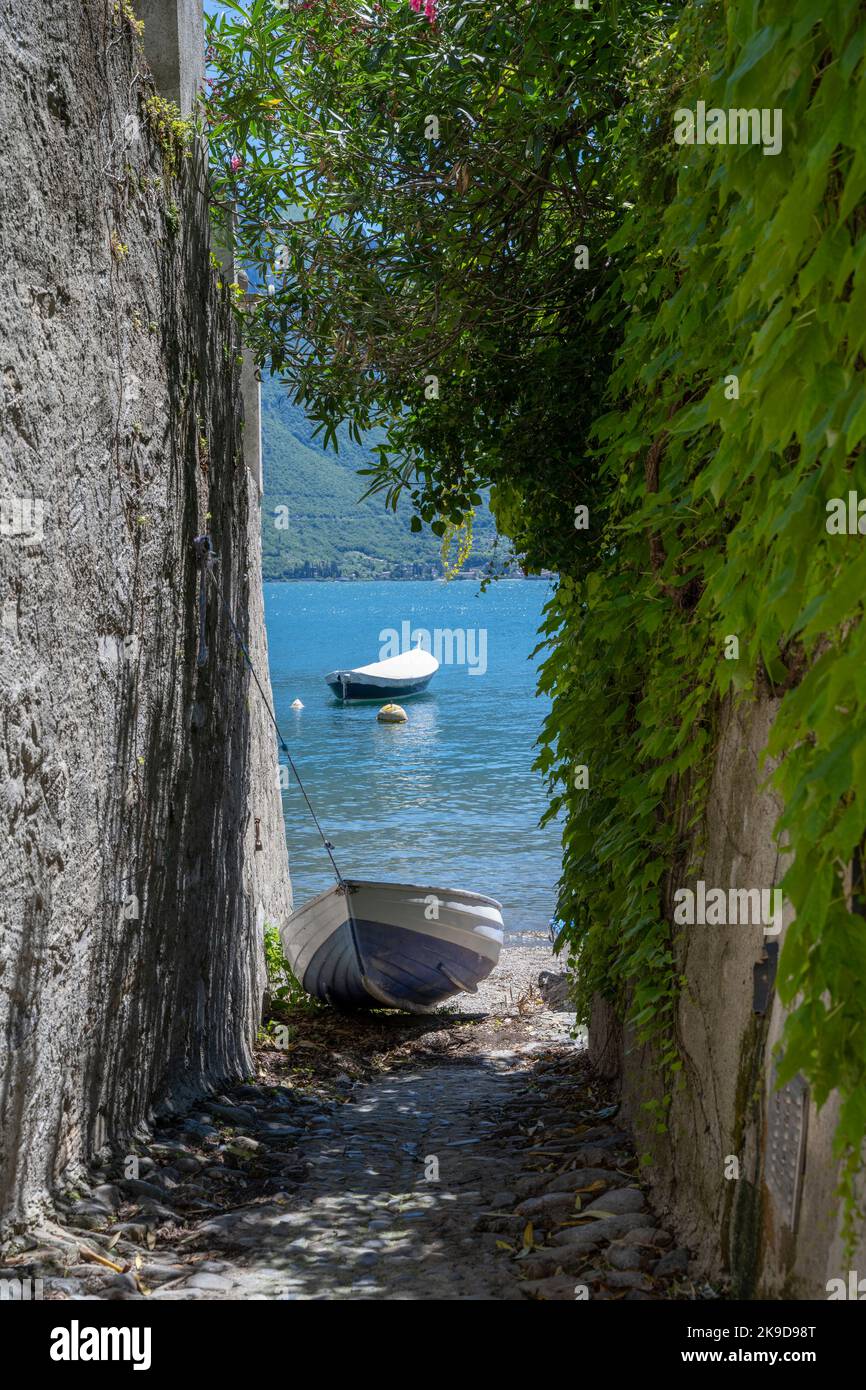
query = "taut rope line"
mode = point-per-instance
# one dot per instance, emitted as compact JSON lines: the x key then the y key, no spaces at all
{"x":284,"y":747}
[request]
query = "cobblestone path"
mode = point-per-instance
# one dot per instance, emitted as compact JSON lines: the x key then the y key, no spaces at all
{"x":479,"y":1160}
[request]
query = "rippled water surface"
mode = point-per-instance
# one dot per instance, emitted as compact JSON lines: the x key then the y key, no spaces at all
{"x":448,"y":799}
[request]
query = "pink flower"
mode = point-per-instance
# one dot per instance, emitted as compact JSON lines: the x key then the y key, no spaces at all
{"x":428,"y":6}
{"x":236,"y":163}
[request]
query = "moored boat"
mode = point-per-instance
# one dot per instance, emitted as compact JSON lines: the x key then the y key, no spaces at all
{"x":399,"y":677}
{"x":392,"y":945}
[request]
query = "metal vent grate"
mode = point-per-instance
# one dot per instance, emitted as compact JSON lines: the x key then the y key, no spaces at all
{"x":786,"y":1146}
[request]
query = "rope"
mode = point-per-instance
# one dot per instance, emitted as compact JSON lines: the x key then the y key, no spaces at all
{"x":208,"y":559}
{"x":284,"y":747}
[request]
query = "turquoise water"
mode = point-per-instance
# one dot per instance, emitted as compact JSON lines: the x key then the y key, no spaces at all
{"x":448,"y":799}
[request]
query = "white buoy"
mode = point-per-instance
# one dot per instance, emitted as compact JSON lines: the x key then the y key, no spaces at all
{"x":296,"y":704}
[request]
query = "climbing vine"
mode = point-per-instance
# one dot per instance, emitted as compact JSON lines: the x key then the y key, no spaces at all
{"x":738,"y":413}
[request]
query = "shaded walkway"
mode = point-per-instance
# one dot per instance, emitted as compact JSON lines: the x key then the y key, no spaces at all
{"x":449,"y":1158}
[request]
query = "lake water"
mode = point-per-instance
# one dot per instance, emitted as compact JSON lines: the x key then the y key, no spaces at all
{"x":448,"y":799}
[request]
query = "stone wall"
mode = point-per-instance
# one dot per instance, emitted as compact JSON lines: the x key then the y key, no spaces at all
{"x":773,"y":1231}
{"x":135,"y":785}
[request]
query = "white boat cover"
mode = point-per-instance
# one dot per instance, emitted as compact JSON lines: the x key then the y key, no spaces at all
{"x":411,"y":665}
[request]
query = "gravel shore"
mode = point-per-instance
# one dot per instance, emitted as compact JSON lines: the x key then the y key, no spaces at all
{"x":515,"y":980}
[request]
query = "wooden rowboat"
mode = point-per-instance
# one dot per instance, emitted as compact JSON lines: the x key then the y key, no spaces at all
{"x":363,"y":945}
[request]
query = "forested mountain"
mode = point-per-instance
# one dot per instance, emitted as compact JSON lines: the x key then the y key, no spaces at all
{"x":313,"y":522}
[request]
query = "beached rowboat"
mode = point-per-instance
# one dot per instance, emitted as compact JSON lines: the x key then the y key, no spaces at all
{"x":392,"y":945}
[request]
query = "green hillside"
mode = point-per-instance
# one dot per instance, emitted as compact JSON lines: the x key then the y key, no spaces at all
{"x":313,"y":521}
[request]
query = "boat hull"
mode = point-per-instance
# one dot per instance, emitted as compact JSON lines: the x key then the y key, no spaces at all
{"x":384,"y":945}
{"x":348,"y":686}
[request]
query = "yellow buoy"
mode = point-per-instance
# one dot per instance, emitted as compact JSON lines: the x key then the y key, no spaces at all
{"x":392,"y":714}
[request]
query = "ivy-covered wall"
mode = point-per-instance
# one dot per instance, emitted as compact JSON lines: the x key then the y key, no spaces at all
{"x":713,"y":1164}
{"x":727,"y":584}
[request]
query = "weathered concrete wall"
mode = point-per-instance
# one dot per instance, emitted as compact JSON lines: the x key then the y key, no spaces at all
{"x":174,"y":44}
{"x":739,"y":1228}
{"x":133,"y":897}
